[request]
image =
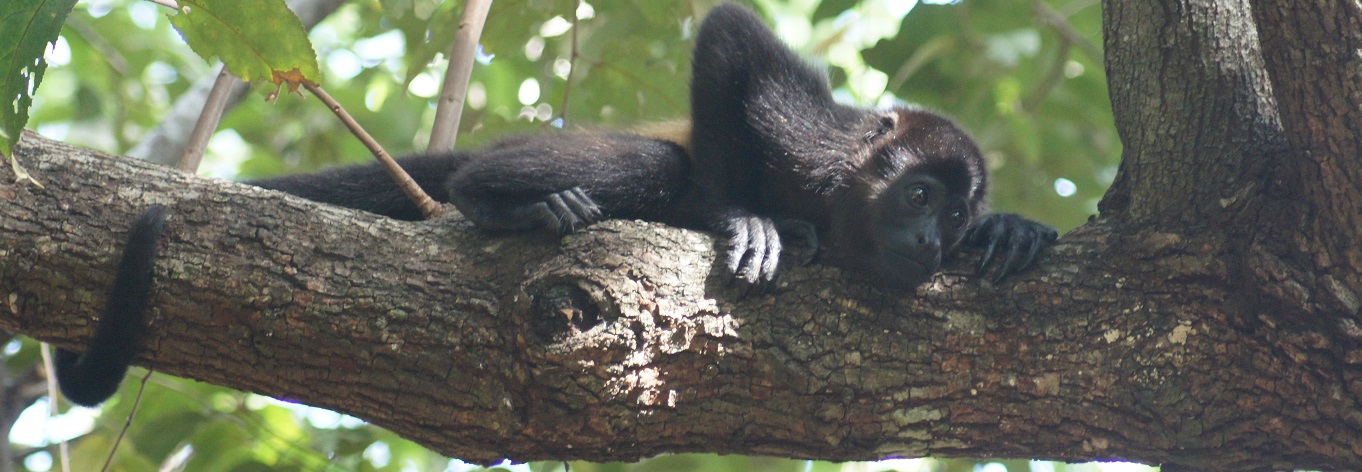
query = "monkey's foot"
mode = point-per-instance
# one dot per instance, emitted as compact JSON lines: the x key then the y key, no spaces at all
{"x":569,"y":210}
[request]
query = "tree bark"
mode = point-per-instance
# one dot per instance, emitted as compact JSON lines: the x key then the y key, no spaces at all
{"x":623,"y":341}
{"x":1208,"y":319}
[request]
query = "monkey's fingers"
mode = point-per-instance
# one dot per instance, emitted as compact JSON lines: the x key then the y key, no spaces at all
{"x":1021,"y":241}
{"x":986,"y":235}
{"x":738,"y":244}
{"x":568,"y":221}
{"x":582,"y":204}
{"x":543,"y":214}
{"x":1038,"y":242}
{"x":1013,"y":260}
{"x":771,"y":255}
{"x":572,"y":209}
{"x":755,"y":252}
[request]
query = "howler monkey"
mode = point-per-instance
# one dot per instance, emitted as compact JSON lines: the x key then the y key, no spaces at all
{"x":891,"y":192}
{"x":888,"y":193}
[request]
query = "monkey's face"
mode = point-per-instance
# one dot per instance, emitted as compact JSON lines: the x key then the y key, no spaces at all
{"x":898,"y":233}
{"x":917,"y":222}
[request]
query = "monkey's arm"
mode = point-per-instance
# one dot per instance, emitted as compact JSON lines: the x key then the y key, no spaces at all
{"x":743,"y":74}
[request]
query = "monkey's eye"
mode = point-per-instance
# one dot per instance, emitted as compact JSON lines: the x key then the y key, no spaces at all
{"x":957,"y":218}
{"x":918,"y":195}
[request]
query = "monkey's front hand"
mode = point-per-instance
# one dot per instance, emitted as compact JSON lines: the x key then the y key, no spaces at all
{"x":753,"y":247}
{"x":1013,"y":239}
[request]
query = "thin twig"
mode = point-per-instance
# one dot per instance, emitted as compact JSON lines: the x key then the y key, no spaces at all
{"x":127,"y":424}
{"x":165,"y":143}
{"x":207,"y":124}
{"x":572,"y":64}
{"x":428,"y":207}
{"x":63,"y":448}
{"x":454,"y":91}
{"x":1054,"y":19}
{"x":1052,"y":79}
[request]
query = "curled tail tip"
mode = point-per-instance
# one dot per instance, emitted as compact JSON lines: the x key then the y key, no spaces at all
{"x":89,"y":378}
{"x":77,"y":384}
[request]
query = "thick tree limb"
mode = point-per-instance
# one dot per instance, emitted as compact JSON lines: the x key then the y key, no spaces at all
{"x":623,"y":342}
{"x":1314,"y":55}
{"x":1195,"y":112}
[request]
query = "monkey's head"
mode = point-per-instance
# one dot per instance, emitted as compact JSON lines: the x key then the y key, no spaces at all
{"x":920,"y":185}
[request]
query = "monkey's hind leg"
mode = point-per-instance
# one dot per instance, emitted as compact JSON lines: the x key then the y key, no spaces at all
{"x":559,"y":212}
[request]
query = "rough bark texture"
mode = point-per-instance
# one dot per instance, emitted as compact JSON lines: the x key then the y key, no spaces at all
{"x":1208,"y":319}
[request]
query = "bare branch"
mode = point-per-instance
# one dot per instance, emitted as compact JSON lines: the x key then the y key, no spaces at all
{"x":572,"y":64}
{"x":459,"y":340}
{"x":208,"y":120}
{"x":428,"y":207}
{"x":165,"y":144}
{"x":454,"y":91}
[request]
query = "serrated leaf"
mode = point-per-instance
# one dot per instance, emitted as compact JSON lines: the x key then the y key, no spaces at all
{"x":26,"y":28}
{"x":256,"y":39}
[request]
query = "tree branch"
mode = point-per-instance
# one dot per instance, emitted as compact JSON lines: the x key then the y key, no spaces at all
{"x":1311,"y":52}
{"x":445,"y":129}
{"x":428,"y":206}
{"x":623,"y":341}
{"x":1208,"y":97}
{"x":207,"y":123}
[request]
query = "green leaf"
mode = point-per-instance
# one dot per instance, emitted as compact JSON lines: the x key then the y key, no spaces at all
{"x":28,"y":26}
{"x":256,"y":39}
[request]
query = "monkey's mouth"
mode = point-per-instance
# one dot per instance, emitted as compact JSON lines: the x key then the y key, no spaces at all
{"x":901,"y":269}
{"x":915,"y":261}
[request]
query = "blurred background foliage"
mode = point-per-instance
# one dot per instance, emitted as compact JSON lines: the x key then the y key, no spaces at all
{"x":1025,"y":77}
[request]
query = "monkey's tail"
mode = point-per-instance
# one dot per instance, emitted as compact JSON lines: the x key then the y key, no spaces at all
{"x":90,"y":378}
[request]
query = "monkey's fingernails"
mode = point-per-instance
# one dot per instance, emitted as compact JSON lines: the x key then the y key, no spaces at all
{"x":988,"y":255}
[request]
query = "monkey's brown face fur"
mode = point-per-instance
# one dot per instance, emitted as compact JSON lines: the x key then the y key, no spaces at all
{"x":912,"y":199}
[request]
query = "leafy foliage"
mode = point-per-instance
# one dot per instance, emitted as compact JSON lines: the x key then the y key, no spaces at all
{"x":259,"y":40}
{"x":28,"y":27}
{"x":1034,"y":97}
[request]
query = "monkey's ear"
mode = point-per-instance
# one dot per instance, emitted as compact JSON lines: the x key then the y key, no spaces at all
{"x":883,"y":123}
{"x":888,"y":120}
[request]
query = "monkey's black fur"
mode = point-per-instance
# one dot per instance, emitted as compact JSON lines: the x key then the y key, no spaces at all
{"x":887,"y":193}
{"x":557,"y":182}
{"x":90,"y":378}
{"x":890,"y":192}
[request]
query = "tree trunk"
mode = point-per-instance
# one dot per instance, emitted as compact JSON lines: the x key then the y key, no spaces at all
{"x":1208,"y":319}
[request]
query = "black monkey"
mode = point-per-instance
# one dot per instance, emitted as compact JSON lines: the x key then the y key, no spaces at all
{"x":556,"y":182}
{"x":90,"y":378}
{"x":888,"y":193}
